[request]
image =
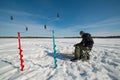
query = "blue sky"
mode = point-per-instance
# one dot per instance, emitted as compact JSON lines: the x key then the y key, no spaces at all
{"x":98,"y":17}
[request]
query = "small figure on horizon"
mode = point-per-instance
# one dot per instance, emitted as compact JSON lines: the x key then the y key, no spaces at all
{"x":83,"y":48}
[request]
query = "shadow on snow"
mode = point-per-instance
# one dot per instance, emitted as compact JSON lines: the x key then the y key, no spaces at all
{"x":61,"y":56}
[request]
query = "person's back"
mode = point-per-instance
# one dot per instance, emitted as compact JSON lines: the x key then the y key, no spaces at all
{"x":87,"y":40}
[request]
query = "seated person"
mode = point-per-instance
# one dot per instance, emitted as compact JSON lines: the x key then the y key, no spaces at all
{"x":86,"y":44}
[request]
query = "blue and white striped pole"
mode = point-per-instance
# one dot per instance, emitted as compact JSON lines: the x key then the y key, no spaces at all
{"x":54,"y":49}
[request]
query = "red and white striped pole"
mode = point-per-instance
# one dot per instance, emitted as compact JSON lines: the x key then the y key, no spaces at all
{"x":20,"y":53}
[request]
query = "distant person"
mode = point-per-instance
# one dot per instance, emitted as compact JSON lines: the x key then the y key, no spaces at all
{"x":83,"y":48}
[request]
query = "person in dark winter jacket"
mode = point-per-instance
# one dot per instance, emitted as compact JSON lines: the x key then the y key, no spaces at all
{"x":85,"y":45}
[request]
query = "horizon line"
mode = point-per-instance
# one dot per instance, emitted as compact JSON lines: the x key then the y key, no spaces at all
{"x":59,"y":37}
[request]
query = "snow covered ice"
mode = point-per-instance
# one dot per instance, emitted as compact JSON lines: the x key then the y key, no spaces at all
{"x":38,"y":59}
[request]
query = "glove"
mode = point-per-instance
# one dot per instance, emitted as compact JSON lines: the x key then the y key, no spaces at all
{"x":76,"y":44}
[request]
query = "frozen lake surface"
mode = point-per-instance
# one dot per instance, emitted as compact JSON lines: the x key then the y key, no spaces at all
{"x":38,"y":59}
